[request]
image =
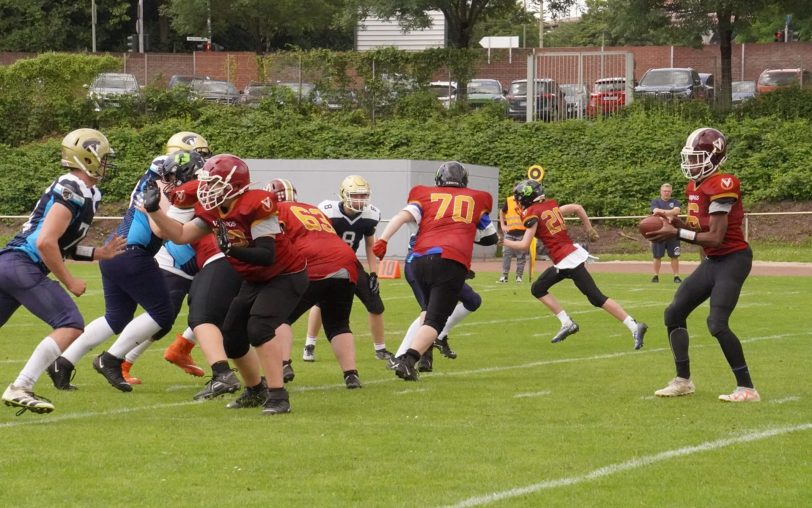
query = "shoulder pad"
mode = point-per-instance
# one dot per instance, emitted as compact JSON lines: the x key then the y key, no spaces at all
{"x":370,"y":212}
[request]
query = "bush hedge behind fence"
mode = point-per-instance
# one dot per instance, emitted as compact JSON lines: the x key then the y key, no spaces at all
{"x":612,"y":166}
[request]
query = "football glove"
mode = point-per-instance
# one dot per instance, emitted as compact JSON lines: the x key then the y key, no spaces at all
{"x":470,"y":275}
{"x":374,"y":286}
{"x":379,"y":249}
{"x":222,"y":237}
{"x":593,"y":235}
{"x":151,"y":197}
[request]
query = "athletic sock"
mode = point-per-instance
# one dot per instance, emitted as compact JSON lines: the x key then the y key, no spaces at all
{"x":137,"y":331}
{"x":678,"y":338}
{"x":44,"y":355}
{"x":310,"y":341}
{"x":459,"y":313}
{"x":630,"y":323}
{"x":138,"y":350}
{"x":409,"y":337}
{"x":95,"y":333}
{"x":743,"y":376}
{"x":220,"y":367}
{"x":564,"y":318}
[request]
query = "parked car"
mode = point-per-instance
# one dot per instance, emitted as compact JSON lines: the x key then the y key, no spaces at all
{"x":482,"y":92}
{"x":212,"y":90}
{"x":707,"y":83}
{"x":108,"y":88}
{"x":549,"y":99}
{"x":254,"y":93}
{"x":742,"y":91}
{"x":575,"y":95}
{"x":181,"y":80}
{"x":671,"y":83}
{"x":773,"y":79}
{"x":445,"y":91}
{"x":607,"y":97}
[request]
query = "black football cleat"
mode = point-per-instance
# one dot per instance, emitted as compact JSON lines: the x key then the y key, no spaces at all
{"x":219,"y":384}
{"x":251,"y":397}
{"x":278,"y":402}
{"x":287,"y":372}
{"x":62,"y":373}
{"x":110,"y":367}
{"x":352,"y":381}
{"x":444,"y":348}
{"x":426,"y":362}
{"x":405,"y":369}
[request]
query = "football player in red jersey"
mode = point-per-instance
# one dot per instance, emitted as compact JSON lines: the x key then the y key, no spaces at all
{"x":246,"y":225}
{"x":714,"y":222}
{"x":332,"y":269}
{"x":449,"y":217}
{"x":544,"y":219}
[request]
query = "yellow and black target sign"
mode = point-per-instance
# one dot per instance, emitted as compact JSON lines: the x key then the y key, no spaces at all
{"x":535,"y":172}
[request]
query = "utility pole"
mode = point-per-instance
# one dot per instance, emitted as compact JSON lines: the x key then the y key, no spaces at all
{"x":140,"y":26}
{"x":93,"y":23}
{"x":208,"y":25}
{"x":541,"y":23}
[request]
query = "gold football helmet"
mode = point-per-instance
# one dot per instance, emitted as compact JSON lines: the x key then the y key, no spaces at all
{"x":189,"y":141}
{"x":88,"y":150}
{"x":354,"y":193}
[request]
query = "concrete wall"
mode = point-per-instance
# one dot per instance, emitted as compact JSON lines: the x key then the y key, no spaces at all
{"x":390,"y":180}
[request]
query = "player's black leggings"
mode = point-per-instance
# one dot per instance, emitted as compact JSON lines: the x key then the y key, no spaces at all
{"x":720,"y":279}
{"x":580,"y":277}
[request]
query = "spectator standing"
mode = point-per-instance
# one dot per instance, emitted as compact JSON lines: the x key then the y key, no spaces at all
{"x":668,"y":207}
{"x":510,"y":220}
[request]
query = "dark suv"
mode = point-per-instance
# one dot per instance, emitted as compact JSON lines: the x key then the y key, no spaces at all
{"x":550,"y":100}
{"x":671,"y":83}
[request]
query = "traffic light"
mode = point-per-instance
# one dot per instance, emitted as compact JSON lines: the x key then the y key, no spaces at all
{"x":131,"y":43}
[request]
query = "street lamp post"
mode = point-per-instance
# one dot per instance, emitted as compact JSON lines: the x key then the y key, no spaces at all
{"x":93,"y":23}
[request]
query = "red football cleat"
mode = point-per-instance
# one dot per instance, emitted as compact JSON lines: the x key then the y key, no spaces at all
{"x":125,"y":372}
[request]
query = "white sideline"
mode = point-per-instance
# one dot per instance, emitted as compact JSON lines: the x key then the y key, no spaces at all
{"x":621,"y":467}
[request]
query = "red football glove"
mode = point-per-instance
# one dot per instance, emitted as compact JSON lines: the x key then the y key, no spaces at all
{"x":379,"y":249}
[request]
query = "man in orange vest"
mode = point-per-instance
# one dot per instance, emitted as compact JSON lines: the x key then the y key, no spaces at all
{"x":511,"y":221}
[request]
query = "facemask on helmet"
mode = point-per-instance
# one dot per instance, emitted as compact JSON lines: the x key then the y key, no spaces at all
{"x":88,"y":150}
{"x":223,"y":177}
{"x":451,"y":174}
{"x":284,"y":189}
{"x":354,"y":192}
{"x":189,"y":141}
{"x":704,"y":151}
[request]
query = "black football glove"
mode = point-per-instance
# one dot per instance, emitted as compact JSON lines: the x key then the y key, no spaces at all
{"x":470,"y":275}
{"x":374,"y":286}
{"x":222,"y":237}
{"x":151,"y":197}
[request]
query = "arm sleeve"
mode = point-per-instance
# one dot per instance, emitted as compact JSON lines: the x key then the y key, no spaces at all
{"x":262,"y":253}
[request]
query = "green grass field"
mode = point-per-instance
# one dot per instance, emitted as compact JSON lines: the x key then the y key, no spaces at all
{"x":513,"y":421}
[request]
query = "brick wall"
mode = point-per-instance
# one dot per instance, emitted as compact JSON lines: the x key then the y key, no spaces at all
{"x":241,"y":67}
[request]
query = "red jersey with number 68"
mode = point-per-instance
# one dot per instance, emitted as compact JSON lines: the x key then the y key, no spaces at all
{"x":254,"y":213}
{"x":315,"y":239}
{"x":551,"y":230}
{"x":717,"y":192}
{"x":448,"y":218}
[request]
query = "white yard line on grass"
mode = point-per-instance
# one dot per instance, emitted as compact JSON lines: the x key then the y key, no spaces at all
{"x":621,"y":467}
{"x":532,"y":394}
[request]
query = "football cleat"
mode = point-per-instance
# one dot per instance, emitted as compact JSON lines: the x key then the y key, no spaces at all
{"x":278,"y":402}
{"x":677,"y":279}
{"x":352,"y":381}
{"x":62,"y":373}
{"x":741,"y":394}
{"x":309,"y":353}
{"x":656,"y":278}
{"x":502,"y":279}
{"x":110,"y":367}
{"x":383,"y":354}
{"x":405,"y":369}
{"x":442,"y":346}
{"x":125,"y":373}
{"x":677,"y":387}
{"x":251,"y":397}
{"x":565,"y":332}
{"x":426,"y":362}
{"x":26,"y":400}
{"x":638,"y":335}
{"x":219,"y":384}
{"x":518,"y":279}
{"x":179,"y":353}
{"x":287,"y":372}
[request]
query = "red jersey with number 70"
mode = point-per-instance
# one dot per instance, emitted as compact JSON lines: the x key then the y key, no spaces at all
{"x":315,"y":239}
{"x":247,"y":211}
{"x":449,"y":218}
{"x":717,"y":188}
{"x":551,"y":229}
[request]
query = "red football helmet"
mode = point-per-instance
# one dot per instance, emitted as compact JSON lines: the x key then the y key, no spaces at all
{"x":703,"y":153}
{"x":283,"y":188}
{"x":223,"y":177}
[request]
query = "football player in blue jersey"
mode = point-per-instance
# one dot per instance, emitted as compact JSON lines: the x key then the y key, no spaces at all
{"x":60,"y":220}
{"x":129,"y":280}
{"x":354,"y":218}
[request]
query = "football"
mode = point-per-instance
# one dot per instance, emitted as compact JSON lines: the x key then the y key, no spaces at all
{"x":649,"y":224}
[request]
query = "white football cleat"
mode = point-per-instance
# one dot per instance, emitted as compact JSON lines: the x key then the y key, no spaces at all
{"x":26,"y":400}
{"x":741,"y":394}
{"x":677,"y":387}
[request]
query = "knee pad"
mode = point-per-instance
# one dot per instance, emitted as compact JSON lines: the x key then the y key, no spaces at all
{"x":235,"y":347}
{"x":434,"y":324}
{"x":162,"y":333}
{"x":673,"y":318}
{"x":374,"y":305}
{"x":336,"y":330}
{"x":717,"y":326}
{"x":538,"y":289}
{"x":472,"y":302}
{"x":597,"y":300}
{"x":262,"y":329}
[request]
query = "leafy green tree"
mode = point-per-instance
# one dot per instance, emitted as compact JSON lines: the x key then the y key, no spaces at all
{"x":61,"y":25}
